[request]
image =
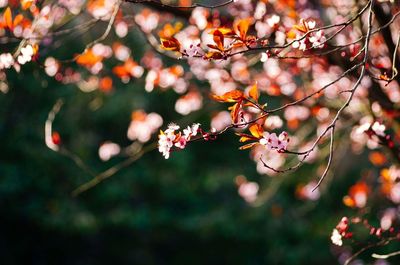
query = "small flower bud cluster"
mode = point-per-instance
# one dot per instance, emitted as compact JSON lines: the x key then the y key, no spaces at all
{"x":170,"y":138}
{"x":341,"y":231}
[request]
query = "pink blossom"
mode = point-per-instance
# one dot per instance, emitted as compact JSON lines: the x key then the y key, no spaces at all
{"x":272,"y":141}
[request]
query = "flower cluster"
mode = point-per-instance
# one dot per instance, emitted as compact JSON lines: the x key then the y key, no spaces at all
{"x":375,"y":128}
{"x":272,"y":141}
{"x":384,"y":230}
{"x":170,"y":138}
{"x":315,"y":39}
{"x":143,"y":125}
{"x":341,"y":231}
{"x":26,"y":54}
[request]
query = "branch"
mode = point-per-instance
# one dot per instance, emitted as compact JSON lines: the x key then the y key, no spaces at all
{"x":316,"y":92}
{"x":48,"y":132}
{"x":179,"y":7}
{"x":49,"y":124}
{"x":112,"y":171}
{"x":385,"y":256}
{"x":109,"y":26}
{"x":102,"y":37}
{"x":332,"y":125}
{"x":383,"y":242}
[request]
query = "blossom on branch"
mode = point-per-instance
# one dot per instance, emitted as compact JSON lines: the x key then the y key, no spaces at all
{"x":169,"y":138}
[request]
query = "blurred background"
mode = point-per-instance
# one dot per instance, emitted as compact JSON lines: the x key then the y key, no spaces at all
{"x":178,"y":211}
{"x":189,"y":209}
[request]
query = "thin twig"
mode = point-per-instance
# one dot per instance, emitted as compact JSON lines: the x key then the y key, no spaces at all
{"x":385,"y":256}
{"x":112,"y":171}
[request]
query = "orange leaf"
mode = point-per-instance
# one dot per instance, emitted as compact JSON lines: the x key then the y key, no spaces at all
{"x":242,"y":26}
{"x":18,"y":19}
{"x":377,"y":158}
{"x":256,"y":130}
{"x":105,"y":84}
{"x":231,"y":96}
{"x":348,"y":201}
{"x":7,"y":17}
{"x":218,"y":38}
{"x":300,"y":28}
{"x":224,"y":31}
{"x":88,"y":58}
{"x":120,"y":71}
{"x":25,"y":4}
{"x":247,"y":146}
{"x":245,"y":137}
{"x":359,"y":187}
{"x":253,"y":93}
{"x":291,"y":34}
{"x":235,"y":112}
{"x":168,"y":30}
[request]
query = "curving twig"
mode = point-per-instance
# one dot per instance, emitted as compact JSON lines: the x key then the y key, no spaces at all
{"x":385,"y":256}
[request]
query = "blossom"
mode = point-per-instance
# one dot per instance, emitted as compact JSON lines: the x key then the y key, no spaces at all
{"x":6,"y":60}
{"x":188,"y":103}
{"x":336,"y":238}
{"x":193,"y":50}
{"x":169,"y":138}
{"x":341,"y":231}
{"x":378,"y":128}
{"x":181,"y":142}
{"x":107,"y":150}
{"x":301,"y":45}
{"x":26,"y":54}
{"x":51,"y":66}
{"x":317,"y":39}
{"x":143,"y":125}
{"x":101,"y":9}
{"x":272,"y":141}
{"x":191,"y":131}
{"x":343,"y":225}
{"x":172,"y":127}
{"x":273,"y":21}
{"x":248,"y":191}
{"x":166,"y":140}
{"x":358,"y":195}
{"x":308,"y":191}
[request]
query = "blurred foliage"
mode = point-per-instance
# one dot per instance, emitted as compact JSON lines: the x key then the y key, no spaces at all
{"x":178,"y":211}
{"x":185,"y":210}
